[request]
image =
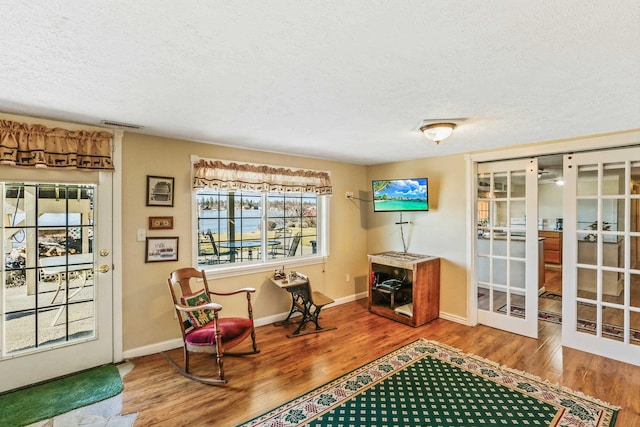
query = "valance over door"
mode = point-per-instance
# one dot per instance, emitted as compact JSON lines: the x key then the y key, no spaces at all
{"x":37,"y":146}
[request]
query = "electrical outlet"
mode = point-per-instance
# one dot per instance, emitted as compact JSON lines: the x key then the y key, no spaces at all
{"x":348,"y":195}
{"x":348,"y":277}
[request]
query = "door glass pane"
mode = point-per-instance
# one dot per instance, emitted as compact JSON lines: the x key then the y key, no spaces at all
{"x":587,"y":180}
{"x":518,"y":248}
{"x":500,"y":271}
{"x":499,"y":244}
{"x":19,"y":331}
{"x":613,"y":323}
{"x":586,"y":318}
{"x":613,"y":182}
{"x":635,"y":252}
{"x":587,"y":250}
{"x":49,"y":258}
{"x":587,"y":214}
{"x":518,"y":306}
{"x":518,"y":213}
{"x":500,"y":184}
{"x":587,"y":278}
{"x":80,"y":322}
{"x":483,"y":297}
{"x":517,"y":274}
{"x":500,"y":212}
{"x":518,"y":184}
{"x":612,"y":215}
{"x":634,"y":331}
{"x":482,"y":266}
{"x":484,"y":185}
{"x":613,"y":251}
{"x":499,"y":302}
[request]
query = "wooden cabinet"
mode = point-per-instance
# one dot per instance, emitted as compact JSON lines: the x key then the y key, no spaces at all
{"x":417,"y":301}
{"x":552,"y":246}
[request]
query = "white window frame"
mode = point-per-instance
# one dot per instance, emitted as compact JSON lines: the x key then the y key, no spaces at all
{"x":241,"y":268}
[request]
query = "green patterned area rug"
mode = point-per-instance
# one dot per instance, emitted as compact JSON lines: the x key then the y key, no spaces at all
{"x":429,"y":384}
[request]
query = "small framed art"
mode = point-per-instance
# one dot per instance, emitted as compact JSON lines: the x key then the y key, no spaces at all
{"x":159,"y":191}
{"x":160,"y":223}
{"x":160,"y":249}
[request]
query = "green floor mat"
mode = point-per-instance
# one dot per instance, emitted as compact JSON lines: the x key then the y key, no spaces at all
{"x":43,"y":401}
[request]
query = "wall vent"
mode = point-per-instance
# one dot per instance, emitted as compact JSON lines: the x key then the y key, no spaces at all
{"x":120,"y":124}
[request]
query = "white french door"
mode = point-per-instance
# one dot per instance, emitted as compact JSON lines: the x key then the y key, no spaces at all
{"x":601,"y":275}
{"x":57,"y":297}
{"x":506,"y":247}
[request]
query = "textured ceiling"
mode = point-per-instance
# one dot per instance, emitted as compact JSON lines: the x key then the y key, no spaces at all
{"x":344,"y":80}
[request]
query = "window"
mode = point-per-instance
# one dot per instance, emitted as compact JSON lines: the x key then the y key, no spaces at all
{"x":48,"y":289}
{"x":251,"y":227}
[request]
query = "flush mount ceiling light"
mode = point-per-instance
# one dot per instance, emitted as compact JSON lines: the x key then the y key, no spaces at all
{"x":437,"y":131}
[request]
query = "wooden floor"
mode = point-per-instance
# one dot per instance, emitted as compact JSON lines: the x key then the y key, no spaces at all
{"x":288,"y":367}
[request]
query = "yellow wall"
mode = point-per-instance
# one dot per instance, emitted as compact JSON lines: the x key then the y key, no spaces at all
{"x":147,"y":311}
{"x":439,"y":232}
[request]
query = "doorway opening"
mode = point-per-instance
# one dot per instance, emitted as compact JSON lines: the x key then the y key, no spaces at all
{"x":550,"y":229}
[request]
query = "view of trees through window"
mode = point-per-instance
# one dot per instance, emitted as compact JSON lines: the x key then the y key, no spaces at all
{"x":241,"y":227}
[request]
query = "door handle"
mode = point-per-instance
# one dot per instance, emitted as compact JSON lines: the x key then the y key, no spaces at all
{"x":103,"y":268}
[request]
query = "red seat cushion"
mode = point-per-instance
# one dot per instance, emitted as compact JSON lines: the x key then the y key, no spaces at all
{"x":230,"y":329}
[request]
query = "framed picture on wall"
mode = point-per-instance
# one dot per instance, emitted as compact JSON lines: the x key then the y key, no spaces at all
{"x":160,"y":223}
{"x":159,"y":191}
{"x":161,"y":249}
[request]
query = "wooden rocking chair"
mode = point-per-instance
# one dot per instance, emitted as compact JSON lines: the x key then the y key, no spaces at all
{"x":203,"y":331}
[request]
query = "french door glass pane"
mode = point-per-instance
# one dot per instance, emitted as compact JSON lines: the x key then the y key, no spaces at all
{"x":48,"y":234}
{"x":499,"y":302}
{"x":587,"y":184}
{"x":613,"y":179}
{"x":501,"y":213}
{"x":634,"y":331}
{"x":587,"y":217}
{"x":500,"y":184}
{"x":518,"y":184}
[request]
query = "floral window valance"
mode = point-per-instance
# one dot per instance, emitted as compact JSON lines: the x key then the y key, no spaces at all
{"x":223,"y":175}
{"x":37,"y":146}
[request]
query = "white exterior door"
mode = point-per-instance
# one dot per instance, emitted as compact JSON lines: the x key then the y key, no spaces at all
{"x":601,"y":275}
{"x":506,"y":247}
{"x":57,"y":294}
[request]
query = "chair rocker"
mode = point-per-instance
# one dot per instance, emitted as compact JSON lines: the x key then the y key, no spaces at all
{"x":203,"y":330}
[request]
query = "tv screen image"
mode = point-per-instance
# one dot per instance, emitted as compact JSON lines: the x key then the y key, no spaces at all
{"x":399,"y":195}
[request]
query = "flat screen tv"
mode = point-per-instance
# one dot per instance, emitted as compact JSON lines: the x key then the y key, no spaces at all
{"x":400,"y":195}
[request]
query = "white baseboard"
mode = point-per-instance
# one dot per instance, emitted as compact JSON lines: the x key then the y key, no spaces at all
{"x":454,"y":318}
{"x":153,"y":348}
{"x":177,"y":342}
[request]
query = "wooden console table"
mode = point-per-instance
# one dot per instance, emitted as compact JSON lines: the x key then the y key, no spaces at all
{"x":418,"y":300}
